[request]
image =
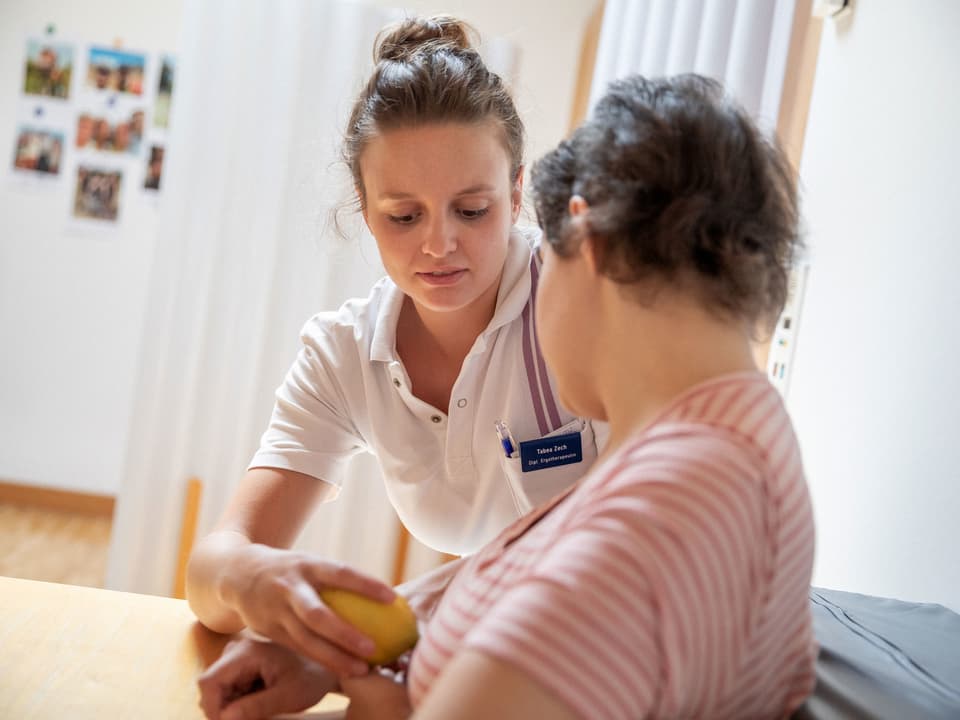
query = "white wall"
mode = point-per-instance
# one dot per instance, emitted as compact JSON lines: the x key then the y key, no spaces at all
{"x":70,"y":305}
{"x":71,"y":308}
{"x":875,"y":392}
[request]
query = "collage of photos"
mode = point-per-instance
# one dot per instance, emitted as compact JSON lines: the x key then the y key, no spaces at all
{"x":97,"y":116}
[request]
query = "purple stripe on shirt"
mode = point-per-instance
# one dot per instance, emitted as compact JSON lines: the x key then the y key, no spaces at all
{"x":529,"y":362}
{"x":545,"y":388}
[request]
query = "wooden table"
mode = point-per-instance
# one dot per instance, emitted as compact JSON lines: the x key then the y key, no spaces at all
{"x":76,"y":652}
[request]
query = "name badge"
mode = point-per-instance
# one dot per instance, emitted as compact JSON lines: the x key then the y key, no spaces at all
{"x":551,"y":452}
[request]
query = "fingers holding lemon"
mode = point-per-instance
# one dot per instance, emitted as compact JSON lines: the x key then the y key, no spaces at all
{"x":391,"y":626}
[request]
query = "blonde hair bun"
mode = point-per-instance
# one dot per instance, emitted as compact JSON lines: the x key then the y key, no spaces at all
{"x":414,"y":35}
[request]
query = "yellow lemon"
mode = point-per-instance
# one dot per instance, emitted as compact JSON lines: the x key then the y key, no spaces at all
{"x":392,"y":627}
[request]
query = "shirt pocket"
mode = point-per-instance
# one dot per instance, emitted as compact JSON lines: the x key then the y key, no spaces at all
{"x":534,"y":488}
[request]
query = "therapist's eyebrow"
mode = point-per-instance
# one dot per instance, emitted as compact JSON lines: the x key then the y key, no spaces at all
{"x":472,"y":190}
{"x":476,"y":189}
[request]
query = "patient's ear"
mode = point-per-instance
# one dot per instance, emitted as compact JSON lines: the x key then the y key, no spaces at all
{"x":579,"y":213}
{"x":577,"y":206}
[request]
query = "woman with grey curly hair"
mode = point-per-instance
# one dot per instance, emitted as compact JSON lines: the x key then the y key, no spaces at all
{"x":672,"y":580}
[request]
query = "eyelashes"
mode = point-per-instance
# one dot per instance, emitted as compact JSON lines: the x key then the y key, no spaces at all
{"x":465,"y":213}
{"x":402,"y":219}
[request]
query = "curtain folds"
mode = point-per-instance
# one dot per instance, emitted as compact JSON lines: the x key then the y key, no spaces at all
{"x":742,"y":43}
{"x":240,"y":261}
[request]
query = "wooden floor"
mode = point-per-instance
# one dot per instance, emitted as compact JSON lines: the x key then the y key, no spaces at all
{"x":55,"y":545}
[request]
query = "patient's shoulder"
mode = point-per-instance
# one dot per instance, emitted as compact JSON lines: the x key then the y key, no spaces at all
{"x":682,"y":455}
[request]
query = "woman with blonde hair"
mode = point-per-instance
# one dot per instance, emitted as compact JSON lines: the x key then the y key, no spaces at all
{"x":438,"y":372}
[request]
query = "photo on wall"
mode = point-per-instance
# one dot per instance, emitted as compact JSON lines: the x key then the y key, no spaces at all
{"x":123,"y":134}
{"x":161,"y":108}
{"x":48,"y":69}
{"x":113,"y":70}
{"x":154,"y":168}
{"x":38,"y":151}
{"x":97,"y":194}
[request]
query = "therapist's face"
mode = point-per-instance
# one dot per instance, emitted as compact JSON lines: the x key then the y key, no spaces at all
{"x":440,"y":202}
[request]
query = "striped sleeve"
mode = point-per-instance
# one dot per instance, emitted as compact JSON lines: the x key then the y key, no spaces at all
{"x":642,"y":602}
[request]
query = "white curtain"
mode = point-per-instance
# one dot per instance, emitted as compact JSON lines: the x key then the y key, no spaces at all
{"x":742,"y":43}
{"x":245,"y":255}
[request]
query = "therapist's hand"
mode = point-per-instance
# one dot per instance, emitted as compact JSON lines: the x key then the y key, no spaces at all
{"x":254,"y":679}
{"x":276,"y":594}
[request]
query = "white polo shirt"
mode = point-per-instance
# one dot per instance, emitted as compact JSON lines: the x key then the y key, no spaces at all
{"x":446,"y":474}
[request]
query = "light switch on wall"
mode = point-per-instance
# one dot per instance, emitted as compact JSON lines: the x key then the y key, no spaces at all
{"x":784,"y":341}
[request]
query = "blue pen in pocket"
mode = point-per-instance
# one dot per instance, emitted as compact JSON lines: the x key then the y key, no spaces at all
{"x":506,"y":439}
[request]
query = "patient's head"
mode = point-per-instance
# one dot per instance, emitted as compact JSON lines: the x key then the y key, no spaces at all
{"x":683,"y":191}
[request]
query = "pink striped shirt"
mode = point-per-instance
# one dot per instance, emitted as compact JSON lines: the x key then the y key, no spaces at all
{"x":671,"y":582}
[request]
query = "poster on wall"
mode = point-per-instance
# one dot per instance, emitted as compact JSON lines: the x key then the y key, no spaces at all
{"x":161,"y":105}
{"x":96,"y":199}
{"x":163,"y":100}
{"x":38,"y":150}
{"x":154,"y":170}
{"x":107,"y":130}
{"x":92,"y":123}
{"x":114,"y":70}
{"x":40,"y":139}
{"x":48,"y":68}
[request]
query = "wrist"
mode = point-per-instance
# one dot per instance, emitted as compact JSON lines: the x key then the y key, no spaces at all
{"x":234,"y":571}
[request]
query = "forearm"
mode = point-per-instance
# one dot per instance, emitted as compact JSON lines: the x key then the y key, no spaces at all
{"x":210,"y":577}
{"x":269,"y":507}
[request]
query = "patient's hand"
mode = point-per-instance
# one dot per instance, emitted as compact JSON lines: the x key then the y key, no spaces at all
{"x":381,"y":695}
{"x":254,"y":679}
